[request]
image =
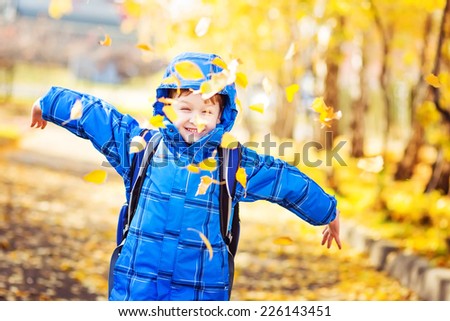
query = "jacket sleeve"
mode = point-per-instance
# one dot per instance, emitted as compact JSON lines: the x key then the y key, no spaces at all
{"x":109,"y":131}
{"x":276,"y":181}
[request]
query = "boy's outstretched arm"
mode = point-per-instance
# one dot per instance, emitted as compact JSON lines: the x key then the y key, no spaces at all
{"x":331,"y":232}
{"x":36,"y":115}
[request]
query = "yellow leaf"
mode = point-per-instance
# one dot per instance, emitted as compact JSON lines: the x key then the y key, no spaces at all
{"x":59,"y":8}
{"x":189,"y":70}
{"x":202,"y":26}
{"x":106,"y":42}
{"x":241,"y":79}
{"x":170,"y":113}
{"x":267,"y":86}
{"x":205,"y":182}
{"x":229,"y":141}
{"x":433,"y":80}
{"x":209,"y":164}
{"x":211,"y":87}
{"x":283,"y":240}
{"x":205,"y":240}
{"x":193,"y":168}
{"x":290,"y":92}
{"x":137,"y":144}
{"x":97,"y":176}
{"x":241,"y":177}
{"x":291,"y":52}
{"x":157,"y":121}
{"x":257,"y":107}
{"x":219,"y":62}
{"x":319,"y":105}
{"x":200,"y":123}
{"x":144,"y":46}
{"x":77,"y":110}
{"x":132,"y":8}
{"x":172,"y":79}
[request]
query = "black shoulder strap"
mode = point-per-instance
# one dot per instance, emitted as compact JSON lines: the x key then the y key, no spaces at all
{"x":231,"y":159}
{"x":141,"y":166}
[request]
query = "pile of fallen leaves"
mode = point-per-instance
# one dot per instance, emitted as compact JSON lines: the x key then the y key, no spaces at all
{"x":57,"y":232}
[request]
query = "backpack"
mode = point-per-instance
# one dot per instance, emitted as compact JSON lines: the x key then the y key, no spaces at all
{"x":229,"y":217}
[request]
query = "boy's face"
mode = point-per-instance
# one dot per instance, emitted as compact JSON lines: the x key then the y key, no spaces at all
{"x":196,"y":117}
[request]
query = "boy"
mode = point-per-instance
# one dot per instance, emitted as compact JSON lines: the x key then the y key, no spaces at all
{"x":163,"y":257}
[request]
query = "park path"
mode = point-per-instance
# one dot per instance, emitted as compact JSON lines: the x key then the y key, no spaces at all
{"x":57,"y":232}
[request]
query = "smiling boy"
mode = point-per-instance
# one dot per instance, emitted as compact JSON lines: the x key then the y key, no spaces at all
{"x":163,"y":257}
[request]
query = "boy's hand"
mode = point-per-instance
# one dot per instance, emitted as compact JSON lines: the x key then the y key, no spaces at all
{"x":36,"y":116}
{"x":332,"y":232}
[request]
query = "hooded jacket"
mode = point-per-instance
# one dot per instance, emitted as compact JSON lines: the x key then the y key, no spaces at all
{"x":163,"y":257}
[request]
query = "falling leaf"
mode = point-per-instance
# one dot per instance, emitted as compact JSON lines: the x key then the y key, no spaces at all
{"x":75,"y":112}
{"x":205,"y":182}
{"x":283,"y":240}
{"x":219,"y":62}
{"x":106,"y":42}
{"x":59,"y":8}
{"x":200,"y":123}
{"x":202,"y":26}
{"x":241,"y":79}
{"x":157,"y":121}
{"x":211,"y":87}
{"x":257,"y":107}
{"x":144,"y":46}
{"x":229,"y":141}
{"x":290,"y":92}
{"x":267,"y":86}
{"x":97,"y":176}
{"x":371,"y":164}
{"x":170,"y":113}
{"x":433,"y":80}
{"x":205,"y":240}
{"x":291,"y":52}
{"x":326,"y":114}
{"x":132,"y":8}
{"x":189,"y":70}
{"x":208,"y":164}
{"x":137,"y":144}
{"x":193,"y":168}
{"x":241,"y":177}
{"x":172,"y":79}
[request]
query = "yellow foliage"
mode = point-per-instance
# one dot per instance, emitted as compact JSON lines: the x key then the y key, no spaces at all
{"x":97,"y":176}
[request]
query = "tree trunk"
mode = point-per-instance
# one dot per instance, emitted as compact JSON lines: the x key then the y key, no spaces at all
{"x":405,"y":168}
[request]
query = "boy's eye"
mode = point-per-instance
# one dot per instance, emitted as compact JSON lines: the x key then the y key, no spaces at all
{"x":207,"y":112}
{"x":183,"y":108}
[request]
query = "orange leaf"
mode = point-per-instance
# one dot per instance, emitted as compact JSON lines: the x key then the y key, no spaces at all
{"x":433,"y":80}
{"x":205,"y":240}
{"x":144,"y":46}
{"x":106,"y":42}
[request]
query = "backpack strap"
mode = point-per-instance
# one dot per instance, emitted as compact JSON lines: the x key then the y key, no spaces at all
{"x":140,"y":167}
{"x":230,"y":164}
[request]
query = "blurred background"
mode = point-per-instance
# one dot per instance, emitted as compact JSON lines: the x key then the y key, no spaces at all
{"x":377,"y":69}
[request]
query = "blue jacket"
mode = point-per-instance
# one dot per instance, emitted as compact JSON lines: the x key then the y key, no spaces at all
{"x":163,"y":257}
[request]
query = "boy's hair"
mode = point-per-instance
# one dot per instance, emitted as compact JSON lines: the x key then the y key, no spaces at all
{"x":217,"y":98}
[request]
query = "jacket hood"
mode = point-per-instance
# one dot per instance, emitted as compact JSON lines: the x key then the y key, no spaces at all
{"x":206,"y":146}
{"x":204,"y":62}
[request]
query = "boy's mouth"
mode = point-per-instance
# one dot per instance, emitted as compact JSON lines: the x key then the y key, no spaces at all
{"x":192,"y":130}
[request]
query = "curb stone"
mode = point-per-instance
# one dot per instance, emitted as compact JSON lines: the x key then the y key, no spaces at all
{"x":412,"y":271}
